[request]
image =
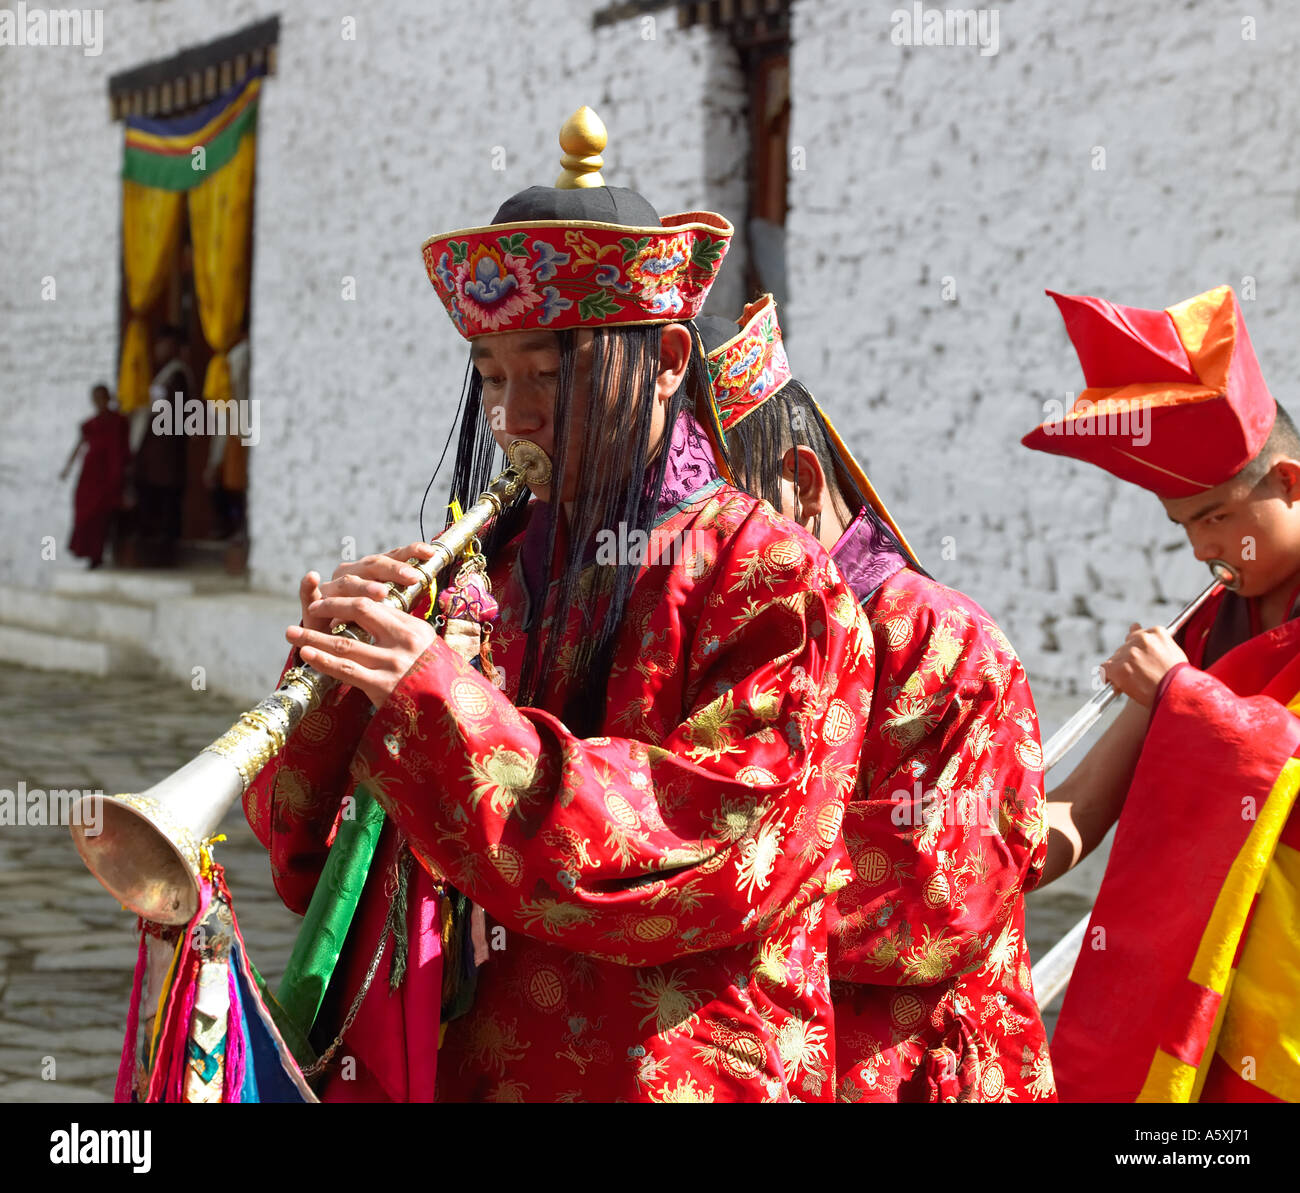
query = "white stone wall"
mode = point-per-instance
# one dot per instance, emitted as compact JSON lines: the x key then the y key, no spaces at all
{"x":926,"y":162}
{"x":918,"y":164}
{"x":361,"y":394}
{"x":366,"y":147}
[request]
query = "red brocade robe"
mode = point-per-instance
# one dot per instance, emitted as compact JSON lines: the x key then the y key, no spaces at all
{"x":99,"y":487}
{"x":654,"y":895}
{"x":1188,"y":986}
{"x":946,"y":831}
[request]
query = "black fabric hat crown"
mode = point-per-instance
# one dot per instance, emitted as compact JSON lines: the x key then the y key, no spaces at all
{"x":715,"y":331}
{"x":577,"y":254}
{"x":595,"y":204}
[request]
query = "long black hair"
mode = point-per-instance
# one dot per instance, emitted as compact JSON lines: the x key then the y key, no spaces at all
{"x":620,"y":476}
{"x":756,"y":448}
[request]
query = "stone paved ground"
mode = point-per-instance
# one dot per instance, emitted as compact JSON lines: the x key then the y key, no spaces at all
{"x":67,"y":950}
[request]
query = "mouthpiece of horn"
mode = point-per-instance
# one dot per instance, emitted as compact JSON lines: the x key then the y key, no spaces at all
{"x":1225,"y":573}
{"x":527,"y":459}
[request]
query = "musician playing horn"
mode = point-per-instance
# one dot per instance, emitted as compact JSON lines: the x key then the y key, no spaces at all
{"x":647,"y":811}
{"x":929,"y":966}
{"x":1186,"y":988}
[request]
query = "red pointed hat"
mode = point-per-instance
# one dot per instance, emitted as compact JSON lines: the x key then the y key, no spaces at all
{"x":1175,"y":400}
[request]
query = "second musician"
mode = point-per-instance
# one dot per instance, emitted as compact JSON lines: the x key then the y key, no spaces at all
{"x":929,"y":964}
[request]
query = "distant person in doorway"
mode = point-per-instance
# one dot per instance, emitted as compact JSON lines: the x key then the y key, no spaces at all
{"x":103,"y":469}
{"x":158,"y":466}
{"x":226,"y":474}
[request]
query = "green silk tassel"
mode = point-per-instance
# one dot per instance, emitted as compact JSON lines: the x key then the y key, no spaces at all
{"x":329,"y":916}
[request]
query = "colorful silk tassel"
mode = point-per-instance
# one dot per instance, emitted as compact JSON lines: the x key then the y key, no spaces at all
{"x":126,"y":1069}
{"x":233,"y":1082}
{"x":209,"y":1029}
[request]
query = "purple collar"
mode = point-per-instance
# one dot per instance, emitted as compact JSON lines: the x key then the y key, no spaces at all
{"x":690,"y":465}
{"x":690,"y":468}
{"x":868,"y":554}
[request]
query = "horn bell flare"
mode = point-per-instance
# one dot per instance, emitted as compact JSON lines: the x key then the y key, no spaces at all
{"x":136,"y":862}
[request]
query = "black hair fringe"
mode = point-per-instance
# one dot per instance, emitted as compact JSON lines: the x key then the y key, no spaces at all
{"x":756,"y":448}
{"x":615,"y":454}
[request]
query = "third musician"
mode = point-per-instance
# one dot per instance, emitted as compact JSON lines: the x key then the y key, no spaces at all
{"x":1188,"y":986}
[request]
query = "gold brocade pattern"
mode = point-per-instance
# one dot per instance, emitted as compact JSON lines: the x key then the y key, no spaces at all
{"x":654,"y":891}
{"x":945,"y":832}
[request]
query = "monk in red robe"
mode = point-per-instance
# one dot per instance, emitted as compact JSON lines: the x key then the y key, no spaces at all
{"x":623,"y":818}
{"x":929,"y":965}
{"x":103,"y":471}
{"x":1188,"y":985}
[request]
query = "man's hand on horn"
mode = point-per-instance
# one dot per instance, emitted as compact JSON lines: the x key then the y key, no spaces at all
{"x":1146,"y":657}
{"x":356,"y":594}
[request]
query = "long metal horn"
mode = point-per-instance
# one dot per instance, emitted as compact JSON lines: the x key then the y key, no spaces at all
{"x":146,"y":849}
{"x":1052,"y":974}
{"x":1076,"y":728}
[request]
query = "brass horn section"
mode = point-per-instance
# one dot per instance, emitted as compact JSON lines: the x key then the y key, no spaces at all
{"x":148,"y":850}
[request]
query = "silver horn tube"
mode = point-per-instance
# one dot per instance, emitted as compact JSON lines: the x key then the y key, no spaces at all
{"x":148,"y":849}
{"x":1076,"y":728}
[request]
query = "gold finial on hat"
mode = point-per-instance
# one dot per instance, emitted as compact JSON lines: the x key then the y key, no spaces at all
{"x":582,"y":137}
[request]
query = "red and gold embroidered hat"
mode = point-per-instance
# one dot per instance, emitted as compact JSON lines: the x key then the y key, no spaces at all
{"x":1175,"y":400}
{"x":579,"y":254}
{"x":750,"y":366}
